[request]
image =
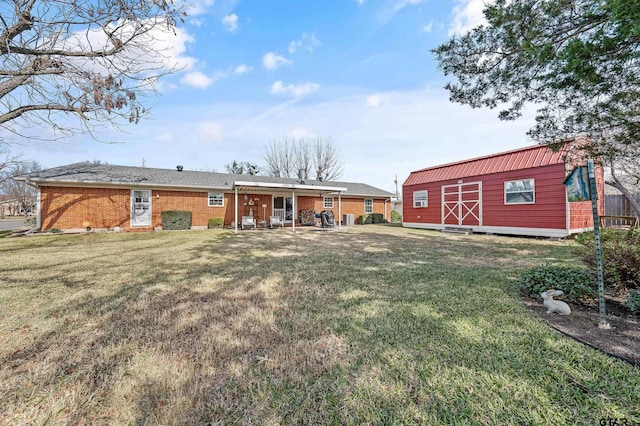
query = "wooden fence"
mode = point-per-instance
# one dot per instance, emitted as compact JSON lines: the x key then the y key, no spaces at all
{"x":618,"y":205}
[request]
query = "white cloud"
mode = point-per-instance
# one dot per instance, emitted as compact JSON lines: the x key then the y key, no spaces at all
{"x":307,"y":41}
{"x":272,"y":61}
{"x":210,"y":131}
{"x":299,"y":133}
{"x":374,"y":100}
{"x":467,"y":14}
{"x":197,"y":79}
{"x":198,"y":7}
{"x":231,"y":22}
{"x":390,"y":10}
{"x":427,"y":28}
{"x":165,"y":137}
{"x":295,"y":90}
{"x":242,"y":69}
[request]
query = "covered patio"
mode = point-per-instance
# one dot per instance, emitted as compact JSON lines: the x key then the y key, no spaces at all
{"x":281,"y":200}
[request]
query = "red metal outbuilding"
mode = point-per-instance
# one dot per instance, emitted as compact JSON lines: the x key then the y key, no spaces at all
{"x":519,"y":192}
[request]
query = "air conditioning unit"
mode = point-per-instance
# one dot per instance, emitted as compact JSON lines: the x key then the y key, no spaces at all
{"x":420,"y":203}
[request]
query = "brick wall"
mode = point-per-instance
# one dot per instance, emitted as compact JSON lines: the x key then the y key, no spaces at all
{"x":75,"y":208}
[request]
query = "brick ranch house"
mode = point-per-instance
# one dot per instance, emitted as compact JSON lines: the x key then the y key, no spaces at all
{"x":519,"y":192}
{"x":102,"y":196}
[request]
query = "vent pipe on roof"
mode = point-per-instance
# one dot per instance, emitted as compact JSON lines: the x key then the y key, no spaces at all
{"x":179,"y":167}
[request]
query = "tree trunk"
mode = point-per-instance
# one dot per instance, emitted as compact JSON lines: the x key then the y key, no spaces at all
{"x":620,"y":187}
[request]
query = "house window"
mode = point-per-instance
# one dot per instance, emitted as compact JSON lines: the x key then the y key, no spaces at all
{"x":420,"y":199}
{"x":519,"y":192}
{"x":327,"y":202}
{"x":216,"y":200}
{"x":368,"y":205}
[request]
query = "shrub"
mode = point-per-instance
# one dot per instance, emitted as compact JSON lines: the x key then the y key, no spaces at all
{"x":576,"y":283}
{"x":176,"y":219}
{"x":30,"y":222}
{"x":396,"y":216}
{"x":215,"y":222}
{"x":364,"y":219}
{"x":620,"y":256}
{"x":633,"y":302}
{"x":377,"y":218}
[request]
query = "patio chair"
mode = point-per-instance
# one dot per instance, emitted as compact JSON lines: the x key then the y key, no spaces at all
{"x":248,"y":221}
{"x":275,"y":221}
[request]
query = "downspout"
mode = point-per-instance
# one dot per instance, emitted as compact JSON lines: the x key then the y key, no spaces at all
{"x":236,"y":214}
{"x":293,"y":213}
{"x":38,"y":216}
{"x":339,"y":211}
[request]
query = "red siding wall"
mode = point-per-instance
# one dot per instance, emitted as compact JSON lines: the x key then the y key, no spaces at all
{"x":548,"y":211}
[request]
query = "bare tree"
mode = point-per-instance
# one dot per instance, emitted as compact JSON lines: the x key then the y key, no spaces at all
{"x":304,"y":158}
{"x":7,"y":160}
{"x":88,"y":60}
{"x":624,"y":175}
{"x":280,"y":158}
{"x":25,"y":195}
{"x":326,"y":159}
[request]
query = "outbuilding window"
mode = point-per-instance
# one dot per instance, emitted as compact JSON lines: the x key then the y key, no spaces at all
{"x":519,"y":192}
{"x":368,"y":205}
{"x":420,"y":199}
{"x":327,"y":202}
{"x":216,"y":199}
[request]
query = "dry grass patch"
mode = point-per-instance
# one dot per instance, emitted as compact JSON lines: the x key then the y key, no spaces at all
{"x":375,"y":325}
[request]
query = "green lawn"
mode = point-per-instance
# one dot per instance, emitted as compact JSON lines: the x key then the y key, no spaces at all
{"x":377,"y":325}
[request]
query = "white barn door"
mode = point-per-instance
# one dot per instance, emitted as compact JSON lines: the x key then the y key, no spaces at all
{"x":462,"y":204}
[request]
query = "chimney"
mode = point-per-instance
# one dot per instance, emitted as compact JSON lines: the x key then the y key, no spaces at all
{"x":179,"y":167}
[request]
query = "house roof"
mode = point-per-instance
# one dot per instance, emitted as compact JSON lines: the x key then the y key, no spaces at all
{"x":90,"y":174}
{"x":518,"y":159}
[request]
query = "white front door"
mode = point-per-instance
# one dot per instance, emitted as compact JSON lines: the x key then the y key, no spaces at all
{"x":140,"y":207}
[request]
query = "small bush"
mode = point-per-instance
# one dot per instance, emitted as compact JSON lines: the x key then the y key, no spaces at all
{"x":620,"y":256}
{"x":577,"y":283}
{"x":377,"y":218}
{"x":633,"y":302}
{"x":176,"y":219}
{"x":215,"y":222}
{"x":30,"y":222}
{"x":364,"y":219}
{"x":396,"y":216}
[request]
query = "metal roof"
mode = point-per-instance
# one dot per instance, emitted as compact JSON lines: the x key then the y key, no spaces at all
{"x":518,"y":159}
{"x":90,"y":174}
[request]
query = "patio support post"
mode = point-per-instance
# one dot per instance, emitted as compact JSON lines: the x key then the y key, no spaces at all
{"x":236,"y":214}
{"x":293,"y":208}
{"x":339,"y":211}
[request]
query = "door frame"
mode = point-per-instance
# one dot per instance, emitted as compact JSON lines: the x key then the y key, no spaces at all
{"x":284,"y":202}
{"x":461,"y":204}
{"x":132,"y":209}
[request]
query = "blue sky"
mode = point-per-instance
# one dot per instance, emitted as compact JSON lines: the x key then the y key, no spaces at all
{"x":357,"y":71}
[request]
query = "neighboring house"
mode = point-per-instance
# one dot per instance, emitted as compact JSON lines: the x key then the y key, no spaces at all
{"x":12,"y":207}
{"x":102,"y":196}
{"x":520,"y":192}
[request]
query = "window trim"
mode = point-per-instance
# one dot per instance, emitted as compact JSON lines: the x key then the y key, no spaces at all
{"x":426,"y":201}
{"x":210,"y":194}
{"x":365,"y":205}
{"x":324,"y":202}
{"x":532,"y":191}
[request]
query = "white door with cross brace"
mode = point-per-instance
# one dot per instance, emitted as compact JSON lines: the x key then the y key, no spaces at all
{"x":462,"y":204}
